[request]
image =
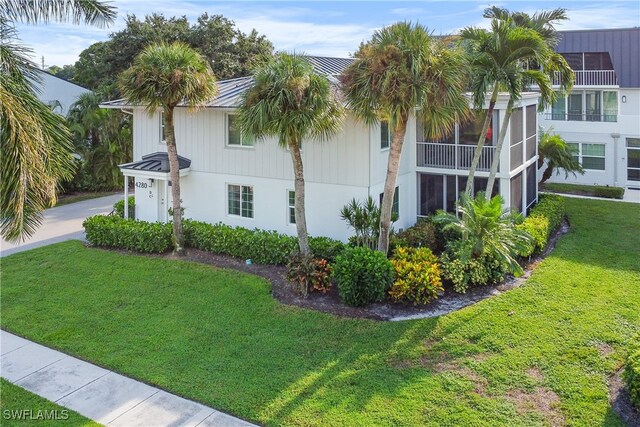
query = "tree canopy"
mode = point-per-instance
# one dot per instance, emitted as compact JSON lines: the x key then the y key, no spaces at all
{"x":229,"y":52}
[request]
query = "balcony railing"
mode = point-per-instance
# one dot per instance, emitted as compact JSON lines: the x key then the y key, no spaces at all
{"x":582,"y":117}
{"x":452,"y":156}
{"x":591,"y":78}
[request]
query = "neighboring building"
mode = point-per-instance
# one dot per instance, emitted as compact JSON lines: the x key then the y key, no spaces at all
{"x":60,"y":94}
{"x":227,"y":177}
{"x":600,"y":118}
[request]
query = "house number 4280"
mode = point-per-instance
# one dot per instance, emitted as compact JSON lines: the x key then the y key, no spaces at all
{"x":141,"y":184}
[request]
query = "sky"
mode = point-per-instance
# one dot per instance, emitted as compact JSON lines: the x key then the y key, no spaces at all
{"x":327,"y":28}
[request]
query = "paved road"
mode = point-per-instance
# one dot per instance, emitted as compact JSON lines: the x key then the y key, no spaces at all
{"x":62,"y":223}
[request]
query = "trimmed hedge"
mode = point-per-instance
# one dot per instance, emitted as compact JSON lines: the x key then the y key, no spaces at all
{"x":586,"y":190}
{"x":544,"y":218}
{"x":263,"y":247}
{"x":631,"y":373}
{"x":140,"y":236}
{"x":118,"y":207}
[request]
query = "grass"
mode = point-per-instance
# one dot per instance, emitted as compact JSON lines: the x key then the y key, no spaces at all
{"x":586,"y":190}
{"x":66,"y":199}
{"x":537,"y":355}
{"x":19,"y":407}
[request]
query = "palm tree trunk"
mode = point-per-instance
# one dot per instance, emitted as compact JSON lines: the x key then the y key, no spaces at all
{"x":496,"y":155}
{"x":301,"y":218}
{"x":481,"y":139}
{"x":547,"y":173}
{"x":390,"y":184}
{"x":174,"y":173}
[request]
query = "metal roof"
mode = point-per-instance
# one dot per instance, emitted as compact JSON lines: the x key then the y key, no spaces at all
{"x":622,"y":44}
{"x":328,"y":65}
{"x":156,"y":162}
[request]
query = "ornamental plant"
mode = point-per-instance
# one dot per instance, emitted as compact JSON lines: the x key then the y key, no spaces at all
{"x":363,"y":275}
{"x":417,"y":276}
{"x":307,"y":273}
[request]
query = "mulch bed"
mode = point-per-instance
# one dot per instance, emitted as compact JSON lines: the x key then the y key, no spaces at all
{"x":330,"y":302}
{"x":621,"y":402}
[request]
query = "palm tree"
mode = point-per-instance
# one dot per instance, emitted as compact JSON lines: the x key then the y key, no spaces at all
{"x":401,"y":71}
{"x":289,"y":101}
{"x":558,"y":155}
{"x":164,"y":76}
{"x":35,"y":144}
{"x":539,"y":70}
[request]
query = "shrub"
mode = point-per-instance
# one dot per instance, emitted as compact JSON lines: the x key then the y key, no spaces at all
{"x":307,"y":273}
{"x":420,"y":235}
{"x":362,"y":275}
{"x":115,"y":232}
{"x":417,"y":275}
{"x":480,"y":271}
{"x":325,"y":248}
{"x":608,"y":192}
{"x":364,"y":218}
{"x":544,"y":218}
{"x":631,"y":373}
{"x":118,"y":208}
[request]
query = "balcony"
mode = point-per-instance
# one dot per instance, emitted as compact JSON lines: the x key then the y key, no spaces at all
{"x":452,"y":156}
{"x":591,"y":78}
{"x":582,"y":117}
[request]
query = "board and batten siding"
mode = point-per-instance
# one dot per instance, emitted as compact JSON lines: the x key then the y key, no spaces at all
{"x":202,"y":137}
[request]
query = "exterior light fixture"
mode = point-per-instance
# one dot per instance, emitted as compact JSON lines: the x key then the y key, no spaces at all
{"x":624,"y":99}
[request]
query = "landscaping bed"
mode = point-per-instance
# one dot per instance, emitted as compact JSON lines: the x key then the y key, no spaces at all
{"x":603,"y":191}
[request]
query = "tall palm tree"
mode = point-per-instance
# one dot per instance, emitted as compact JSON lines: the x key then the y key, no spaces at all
{"x":497,"y":59}
{"x":539,"y":70}
{"x":558,"y":155}
{"x":401,"y":71}
{"x":164,"y":76}
{"x":35,"y":144}
{"x":289,"y":101}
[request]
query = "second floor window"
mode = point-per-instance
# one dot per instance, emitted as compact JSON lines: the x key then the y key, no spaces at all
{"x":235,"y":137}
{"x":586,"y":105}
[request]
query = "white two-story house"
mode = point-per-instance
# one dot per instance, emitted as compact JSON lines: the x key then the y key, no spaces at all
{"x":227,"y":177}
{"x":600,"y":118}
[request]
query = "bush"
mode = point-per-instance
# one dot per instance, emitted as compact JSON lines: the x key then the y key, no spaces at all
{"x":544,"y":218}
{"x":586,"y":190}
{"x":118,"y":208}
{"x":140,"y":236}
{"x":325,"y":248}
{"x":608,"y":192}
{"x":631,"y":373}
{"x":362,"y":275}
{"x":417,"y":275}
{"x":421,"y":235}
{"x":462,"y":274}
{"x":307,"y":273}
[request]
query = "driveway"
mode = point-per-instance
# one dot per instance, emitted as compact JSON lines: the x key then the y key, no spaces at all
{"x":62,"y":223}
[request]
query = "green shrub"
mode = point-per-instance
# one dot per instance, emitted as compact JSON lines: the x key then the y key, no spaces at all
{"x":586,"y":190}
{"x":420,"y":235}
{"x":462,"y":274}
{"x":325,"y":248}
{"x":140,"y":236}
{"x":631,"y":373}
{"x":362,"y":275}
{"x":608,"y":192}
{"x":544,"y":218}
{"x":118,"y":208}
{"x":307,"y":273}
{"x":417,"y":275}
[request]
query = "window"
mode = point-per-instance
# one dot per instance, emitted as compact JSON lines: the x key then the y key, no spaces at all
{"x":291,"y":206}
{"x":162,"y":136}
{"x":234,"y":135}
{"x":589,"y":61}
{"x":470,"y":131}
{"x":395,"y":207}
{"x":385,"y":135}
{"x":589,"y":105}
{"x":590,"y":156}
{"x":240,"y":200}
{"x":610,"y":106}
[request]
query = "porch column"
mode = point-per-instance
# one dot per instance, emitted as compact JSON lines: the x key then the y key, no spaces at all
{"x":126,"y":197}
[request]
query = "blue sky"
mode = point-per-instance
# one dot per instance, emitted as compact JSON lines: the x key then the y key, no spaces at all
{"x":321,"y":27}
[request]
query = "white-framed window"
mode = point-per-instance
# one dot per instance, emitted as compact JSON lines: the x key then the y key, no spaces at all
{"x":590,"y":156}
{"x":240,"y":200}
{"x":163,"y":138}
{"x":586,"y":105}
{"x":395,"y":207}
{"x":386,"y":135}
{"x":235,"y":137}
{"x":291,"y":207}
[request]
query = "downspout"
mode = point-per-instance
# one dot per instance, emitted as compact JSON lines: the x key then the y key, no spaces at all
{"x":615,"y":137}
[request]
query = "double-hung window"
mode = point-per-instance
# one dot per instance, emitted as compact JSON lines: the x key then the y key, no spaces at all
{"x":385,"y":135}
{"x":240,"y":200}
{"x":291,"y":206}
{"x":163,"y":139}
{"x":395,"y":207}
{"x":235,"y":137}
{"x":590,"y":156}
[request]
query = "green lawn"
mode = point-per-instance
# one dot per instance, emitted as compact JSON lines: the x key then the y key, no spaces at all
{"x":537,"y":355}
{"x":67,"y":199}
{"x":19,"y":408}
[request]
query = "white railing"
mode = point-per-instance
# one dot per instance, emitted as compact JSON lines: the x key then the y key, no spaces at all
{"x":591,"y":78}
{"x":452,"y":156}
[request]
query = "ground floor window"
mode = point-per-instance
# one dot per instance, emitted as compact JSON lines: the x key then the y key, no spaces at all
{"x":590,"y":156}
{"x":291,"y":206}
{"x":437,"y":192}
{"x":395,"y":207}
{"x":240,"y":200}
{"x":633,"y":160}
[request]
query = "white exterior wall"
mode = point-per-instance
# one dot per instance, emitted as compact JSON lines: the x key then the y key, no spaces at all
{"x":52,"y":88}
{"x":627,"y":126}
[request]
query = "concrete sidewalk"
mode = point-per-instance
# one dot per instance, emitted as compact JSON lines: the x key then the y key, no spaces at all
{"x":102,"y":395}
